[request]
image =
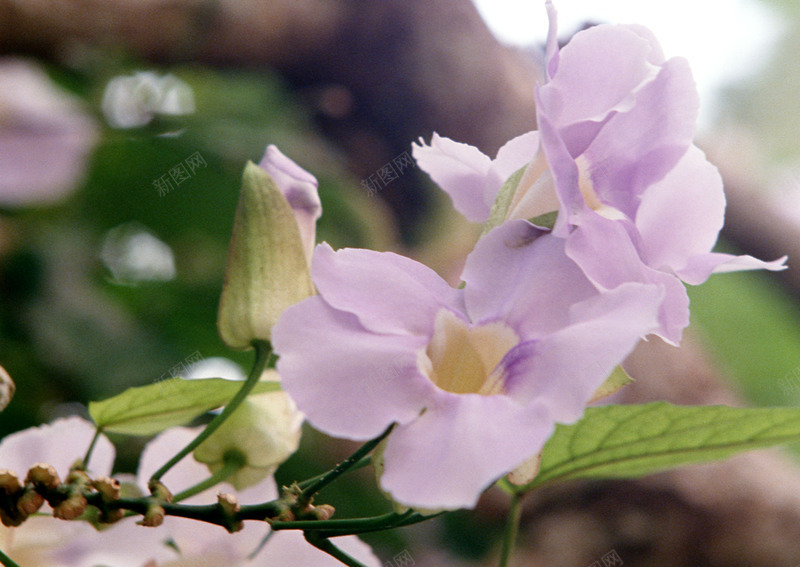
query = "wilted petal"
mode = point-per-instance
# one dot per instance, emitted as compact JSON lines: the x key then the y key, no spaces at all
{"x":460,"y":170}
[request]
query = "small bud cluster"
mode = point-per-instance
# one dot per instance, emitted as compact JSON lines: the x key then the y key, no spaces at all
{"x":68,"y":499}
{"x":294,"y":508}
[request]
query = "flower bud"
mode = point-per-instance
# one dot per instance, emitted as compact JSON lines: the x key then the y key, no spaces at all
{"x":7,"y":388}
{"x":109,"y":488}
{"x":154,"y":516}
{"x":9,"y":481}
{"x":160,"y":491}
{"x":263,"y":431}
{"x":230,"y":506}
{"x":73,"y":507}
{"x":268,"y":266}
{"x":30,"y":502}
{"x":45,"y":475}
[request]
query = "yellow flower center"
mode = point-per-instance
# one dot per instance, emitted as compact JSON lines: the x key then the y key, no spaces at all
{"x":464,"y":359}
{"x":536,"y":193}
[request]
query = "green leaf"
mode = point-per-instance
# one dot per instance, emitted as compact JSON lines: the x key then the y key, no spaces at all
{"x":619,"y":441}
{"x":503,"y":200}
{"x":150,"y":409}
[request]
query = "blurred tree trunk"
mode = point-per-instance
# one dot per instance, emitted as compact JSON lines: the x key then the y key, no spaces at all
{"x":381,"y":73}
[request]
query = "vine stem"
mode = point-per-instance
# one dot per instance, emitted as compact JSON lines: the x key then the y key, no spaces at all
{"x":90,"y":450}
{"x":7,"y":561}
{"x":324,"y":544}
{"x":308,"y":493}
{"x":229,"y":468}
{"x":512,"y":527}
{"x":263,"y":353}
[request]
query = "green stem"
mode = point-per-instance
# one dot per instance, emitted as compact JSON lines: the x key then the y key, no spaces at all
{"x":7,"y":561}
{"x":263,"y":353}
{"x":351,"y":461}
{"x":89,"y":451}
{"x":324,"y":544}
{"x":229,"y":468}
{"x":386,"y":520}
{"x":412,"y":519}
{"x":359,"y":465}
{"x":260,"y":546}
{"x":512,"y":527}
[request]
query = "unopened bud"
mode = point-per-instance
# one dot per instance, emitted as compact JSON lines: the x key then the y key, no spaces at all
{"x":9,"y":481}
{"x":160,"y":491}
{"x":323,"y":512}
{"x":78,"y":478}
{"x":73,"y":507}
{"x":263,"y":432}
{"x":267,"y":269}
{"x":110,"y":516}
{"x":228,"y":503}
{"x":109,"y":488}
{"x":230,"y":506}
{"x":30,"y":502}
{"x":154,"y":516}
{"x":42,"y":474}
{"x":7,"y":388}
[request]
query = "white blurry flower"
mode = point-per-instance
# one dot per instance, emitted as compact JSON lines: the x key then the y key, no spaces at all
{"x":131,"y":101}
{"x":43,"y":541}
{"x":45,"y":137}
{"x":199,"y":542}
{"x":133,"y":254}
{"x":264,"y":431}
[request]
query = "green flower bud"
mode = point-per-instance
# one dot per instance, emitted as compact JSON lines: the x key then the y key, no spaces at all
{"x":267,"y":268}
{"x":262,"y":433}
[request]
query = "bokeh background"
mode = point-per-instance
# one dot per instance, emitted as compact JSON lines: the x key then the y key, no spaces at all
{"x":109,"y":280}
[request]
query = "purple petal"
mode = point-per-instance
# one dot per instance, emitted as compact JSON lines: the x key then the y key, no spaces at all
{"x":388,"y":293}
{"x":564,"y":171}
{"x":552,"y":53}
{"x":564,"y":369}
{"x":300,"y":189}
{"x":638,"y":147}
{"x":460,"y":170}
{"x":681,"y":215}
{"x":523,"y":277}
{"x":45,"y":137}
{"x":426,"y":461}
{"x":700,"y":267}
{"x":514,"y":154}
{"x":598,"y":72}
{"x":656,"y":54}
{"x":60,"y":444}
{"x":349,"y":381}
{"x":604,"y":251}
